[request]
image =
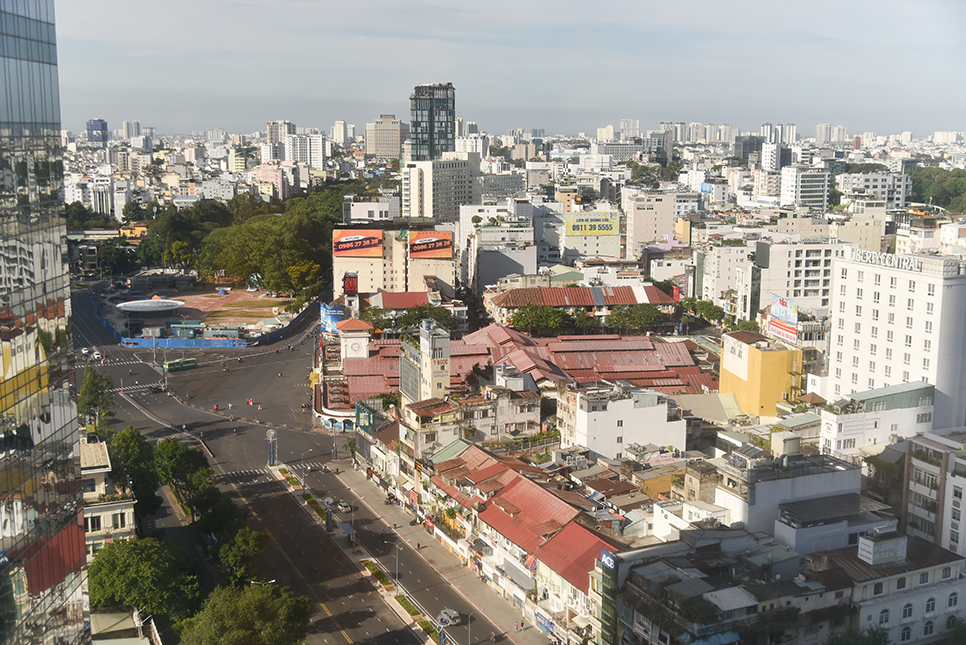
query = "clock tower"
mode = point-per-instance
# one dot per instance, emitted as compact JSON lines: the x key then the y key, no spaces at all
{"x":355,"y":335}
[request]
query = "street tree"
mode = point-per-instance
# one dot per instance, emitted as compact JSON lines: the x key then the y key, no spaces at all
{"x":236,"y":558}
{"x":249,"y":615}
{"x":95,"y":399}
{"x":873,"y":635}
{"x":540,"y":319}
{"x":133,"y":457}
{"x":378,"y":317}
{"x":748,"y":325}
{"x":417,"y":314}
{"x":156,"y":577}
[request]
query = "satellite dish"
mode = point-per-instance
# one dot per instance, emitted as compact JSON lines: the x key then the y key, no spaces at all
{"x":328,"y":502}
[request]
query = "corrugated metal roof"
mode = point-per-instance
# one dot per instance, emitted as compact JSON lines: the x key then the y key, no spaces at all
{"x":540,"y":512}
{"x":571,"y":553}
{"x":404,"y":300}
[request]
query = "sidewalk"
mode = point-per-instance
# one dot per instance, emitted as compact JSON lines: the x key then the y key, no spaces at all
{"x":464,"y":580}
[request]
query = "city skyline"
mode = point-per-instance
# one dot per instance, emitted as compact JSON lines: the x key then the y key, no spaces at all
{"x":234,"y":65}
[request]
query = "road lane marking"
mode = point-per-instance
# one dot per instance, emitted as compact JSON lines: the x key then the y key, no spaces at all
{"x":294,"y":568}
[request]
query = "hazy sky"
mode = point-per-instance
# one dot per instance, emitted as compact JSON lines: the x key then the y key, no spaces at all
{"x":182,"y":65}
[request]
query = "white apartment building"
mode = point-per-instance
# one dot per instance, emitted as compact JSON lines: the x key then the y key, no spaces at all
{"x":606,"y":418}
{"x":952,"y":238}
{"x":767,"y":187}
{"x":894,"y":188}
{"x":861,"y":421}
{"x":919,"y":233}
{"x":799,"y":271}
{"x":898,"y":319}
{"x":935,"y":478}
{"x":385,"y":137}
{"x":308,"y":149}
{"x":804,"y":185}
{"x":478,"y":143}
{"x":436,"y":189}
{"x":605,"y":242}
{"x":651,"y":215}
{"x":619,"y":152}
{"x":866,"y":233}
{"x":716,"y":269}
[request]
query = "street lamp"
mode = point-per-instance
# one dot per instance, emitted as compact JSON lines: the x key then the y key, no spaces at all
{"x":469,"y":625}
{"x":302,"y":459}
{"x":398,"y":549}
{"x":262,"y":584}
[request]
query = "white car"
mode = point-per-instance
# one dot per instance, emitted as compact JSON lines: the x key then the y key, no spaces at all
{"x":96,"y":356}
{"x":85,"y":351}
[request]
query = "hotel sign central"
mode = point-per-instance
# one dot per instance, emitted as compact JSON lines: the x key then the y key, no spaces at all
{"x":904,"y":262}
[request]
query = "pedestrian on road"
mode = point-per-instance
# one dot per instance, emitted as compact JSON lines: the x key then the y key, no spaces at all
{"x":417,"y":546}
{"x":259,"y":406}
{"x":229,"y":406}
{"x":516,"y":627}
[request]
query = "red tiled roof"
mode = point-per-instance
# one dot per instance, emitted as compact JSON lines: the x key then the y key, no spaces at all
{"x":540,"y":513}
{"x":404,"y":300}
{"x":352,"y":324}
{"x":657,"y":297}
{"x":571,"y":553}
{"x":565,"y":297}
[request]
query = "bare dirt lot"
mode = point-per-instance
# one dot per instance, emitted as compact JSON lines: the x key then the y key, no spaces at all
{"x":236,"y":306}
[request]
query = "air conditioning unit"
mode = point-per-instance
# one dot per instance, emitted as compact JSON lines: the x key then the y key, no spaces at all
{"x":784,"y":396}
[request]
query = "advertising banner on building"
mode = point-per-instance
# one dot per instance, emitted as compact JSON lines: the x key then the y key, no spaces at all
{"x":331,"y":316}
{"x":783,"y":321}
{"x":359,"y":243}
{"x":431,"y":244}
{"x":586,"y":224}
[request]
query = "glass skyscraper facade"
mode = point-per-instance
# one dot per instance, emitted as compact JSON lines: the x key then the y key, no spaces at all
{"x":42,"y":552}
{"x":433,"y":115}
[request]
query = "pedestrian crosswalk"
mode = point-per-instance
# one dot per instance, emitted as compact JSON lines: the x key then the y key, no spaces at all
{"x":242,"y":475}
{"x":135,"y":388}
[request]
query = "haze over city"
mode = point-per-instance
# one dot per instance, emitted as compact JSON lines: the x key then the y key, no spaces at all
{"x":565,"y":67}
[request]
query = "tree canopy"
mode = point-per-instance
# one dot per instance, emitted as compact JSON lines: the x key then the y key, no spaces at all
{"x":417,"y":314}
{"x":156,"y":577}
{"x":236,"y":558}
{"x":637,"y":317}
{"x":540,"y":319}
{"x":945,"y":188}
{"x":133,"y":457}
{"x":95,"y":398}
{"x":249,"y":615}
{"x":874,"y":635}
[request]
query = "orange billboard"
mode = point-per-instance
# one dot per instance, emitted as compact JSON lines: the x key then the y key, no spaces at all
{"x":431,"y":244}
{"x":357,"y":243}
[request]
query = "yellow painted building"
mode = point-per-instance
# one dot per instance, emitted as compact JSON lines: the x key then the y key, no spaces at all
{"x":759,"y":372}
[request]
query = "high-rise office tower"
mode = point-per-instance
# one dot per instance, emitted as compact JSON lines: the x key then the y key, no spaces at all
{"x":42,"y":543}
{"x":767,"y":132}
{"x":97,"y":133}
{"x":385,"y":137}
{"x":791,"y":133}
{"x":630,"y":129}
{"x":433,"y":121}
{"x":276,"y":131}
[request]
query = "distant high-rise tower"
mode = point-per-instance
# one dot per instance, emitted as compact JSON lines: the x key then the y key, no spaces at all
{"x":277,"y":130}
{"x":97,"y":133}
{"x":767,"y":132}
{"x":42,"y":594}
{"x":823,"y":133}
{"x":385,"y":137}
{"x":433,"y":121}
{"x":791,"y":134}
{"x":130,"y":129}
{"x":630,"y":129}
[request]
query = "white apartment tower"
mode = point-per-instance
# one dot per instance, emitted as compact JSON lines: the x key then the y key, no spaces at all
{"x":275,"y":131}
{"x":385,"y":137}
{"x":806,"y":186}
{"x":899,"y":319}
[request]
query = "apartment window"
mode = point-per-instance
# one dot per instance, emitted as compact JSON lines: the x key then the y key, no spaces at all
{"x":927,"y":345}
{"x":877,"y":589}
{"x":908,"y":340}
{"x":842,"y":306}
{"x":871,"y":366}
{"x":930,"y":289}
{"x":901,"y":583}
{"x":855,"y":343}
{"x":905,"y":377}
{"x":930,"y":605}
{"x":859,"y":276}
{"x":957,"y":492}
{"x":845,"y":274}
{"x":887,"y":370}
{"x":906,"y":358}
{"x":875,"y":332}
{"x":889,"y":335}
{"x":954,"y":537}
{"x":912,"y":286}
{"x":947,"y":574}
{"x":910,"y":304}
{"x":871,"y":387}
{"x":892,"y":301}
{"x":929,"y":307}
{"x":838,"y":373}
{"x":908,"y":322}
{"x":891,"y":318}
{"x":925,"y":363}
{"x":928,"y":326}
{"x":875,"y":314}
{"x":92,"y":523}
{"x":119,"y":520}
{"x":842,"y":290}
{"x":884,"y":617}
{"x":927,"y":629}
{"x":620,"y":439}
{"x":877,"y":280}
{"x":838,"y":356}
{"x":858,"y":294}
{"x":888,"y":353}
{"x":957,"y":514}
{"x":855,"y":379}
{"x":875,"y":297}
{"x":907,"y":610}
{"x":839,"y":340}
{"x":925,"y":417}
{"x":620,"y":423}
{"x":858,"y":328}
{"x":872,"y":350}
{"x":858,"y":310}
{"x":841,"y":323}
{"x":893,"y":282}
{"x":953,"y":600}
{"x":855,"y":361}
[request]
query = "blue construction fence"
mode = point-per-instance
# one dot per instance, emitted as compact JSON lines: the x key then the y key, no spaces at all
{"x":101,"y":321}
